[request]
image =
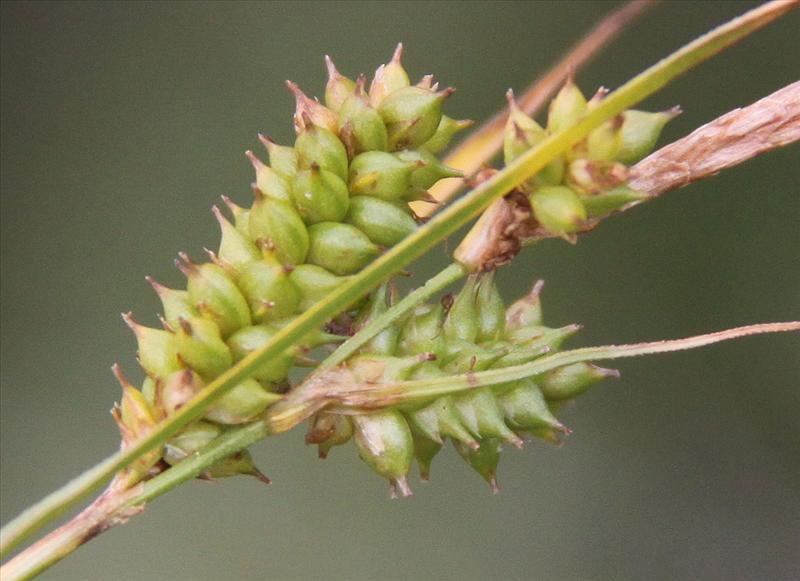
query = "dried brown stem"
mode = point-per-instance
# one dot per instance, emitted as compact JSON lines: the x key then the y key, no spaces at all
{"x":109,"y":510}
{"x":767,"y":124}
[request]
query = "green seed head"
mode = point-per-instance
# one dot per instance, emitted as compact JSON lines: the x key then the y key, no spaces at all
{"x":388,"y":78}
{"x":175,"y":303}
{"x":235,"y":249}
{"x":319,"y":195}
{"x":483,"y":460}
{"x":480,"y":414}
{"x":215,"y":295}
{"x":440,"y":419}
{"x":448,"y":128}
{"x":283,"y":159}
{"x":567,"y":107}
{"x":173,"y":392}
{"x":241,"y":216}
{"x":381,"y":174}
{"x":462,"y":321}
{"x":491,"y":309}
{"x":338,"y":88}
{"x":362,"y":128}
{"x":604,"y":142}
{"x":572,"y":380}
{"x":135,"y":412}
{"x":278,"y":223}
{"x":340,"y":248}
{"x":384,"y":223}
{"x":269,"y":291}
{"x":428,"y":170}
{"x":320,"y":146}
{"x":525,"y":408}
{"x":238,"y":463}
{"x":521,"y":132}
{"x":311,"y":112}
{"x":248,"y":339}
{"x":422,"y":332}
{"x":385,"y":342}
{"x":383,"y":440}
{"x":558,"y":209}
{"x":424,"y":452}
{"x":639,"y":133}
{"x":157,"y":352}
{"x":314,"y":283}
{"x":412,"y":115}
{"x":241,"y":404}
{"x":189,"y":440}
{"x":149,"y":386}
{"x":268,"y":181}
{"x":201,"y":347}
{"x":135,"y":418}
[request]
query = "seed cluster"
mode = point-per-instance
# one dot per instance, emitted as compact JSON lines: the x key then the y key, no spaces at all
{"x":475,"y":332}
{"x":323,"y":209}
{"x":472,"y":331}
{"x":589,"y":181}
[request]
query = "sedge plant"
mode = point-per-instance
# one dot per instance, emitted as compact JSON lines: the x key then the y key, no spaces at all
{"x":311,"y":259}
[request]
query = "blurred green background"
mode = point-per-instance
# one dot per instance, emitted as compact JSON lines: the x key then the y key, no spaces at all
{"x":122,"y":123}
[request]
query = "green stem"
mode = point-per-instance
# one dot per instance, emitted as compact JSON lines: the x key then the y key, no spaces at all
{"x":424,"y":389}
{"x":426,"y":237}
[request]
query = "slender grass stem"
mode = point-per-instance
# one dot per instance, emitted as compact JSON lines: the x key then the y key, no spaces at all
{"x":424,"y":389}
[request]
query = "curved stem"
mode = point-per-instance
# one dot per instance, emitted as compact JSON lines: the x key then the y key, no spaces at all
{"x":424,"y":389}
{"x":426,"y":237}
